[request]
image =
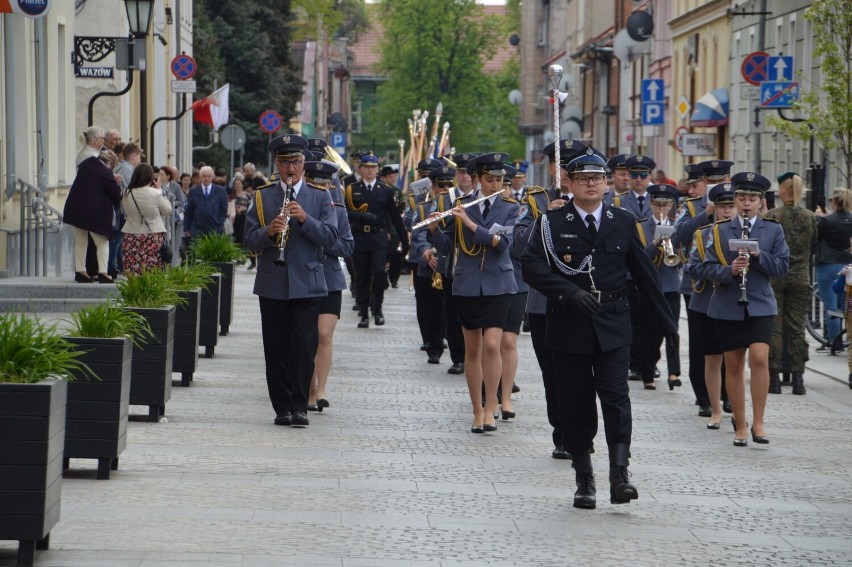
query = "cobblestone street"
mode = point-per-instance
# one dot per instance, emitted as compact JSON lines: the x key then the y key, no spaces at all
{"x":390,"y":475}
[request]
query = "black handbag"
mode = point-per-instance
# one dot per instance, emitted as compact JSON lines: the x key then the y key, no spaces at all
{"x":166,"y":252}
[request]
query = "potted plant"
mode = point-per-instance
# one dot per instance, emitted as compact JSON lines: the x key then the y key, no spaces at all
{"x":96,"y":414}
{"x":35,"y":363}
{"x":221,"y":252}
{"x":151,"y":295}
{"x":189,"y":280}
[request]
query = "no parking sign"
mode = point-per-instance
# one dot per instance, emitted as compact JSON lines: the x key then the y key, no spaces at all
{"x":270,"y":121}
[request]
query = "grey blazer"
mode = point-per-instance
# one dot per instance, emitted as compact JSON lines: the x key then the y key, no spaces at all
{"x":303,"y":275}
{"x":334,"y":278}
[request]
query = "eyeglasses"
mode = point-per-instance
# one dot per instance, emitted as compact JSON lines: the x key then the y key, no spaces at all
{"x":288,"y":162}
{"x":639,"y":174}
{"x":594,"y":179}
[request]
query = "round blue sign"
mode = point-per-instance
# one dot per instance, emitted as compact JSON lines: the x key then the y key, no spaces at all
{"x":183,"y":67}
{"x":270,"y":121}
{"x":34,"y":8}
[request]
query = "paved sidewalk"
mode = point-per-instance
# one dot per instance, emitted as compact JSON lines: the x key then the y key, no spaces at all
{"x":390,"y":475}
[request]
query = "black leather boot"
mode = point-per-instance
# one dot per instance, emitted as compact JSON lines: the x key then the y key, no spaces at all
{"x":774,"y":383}
{"x":621,"y":491}
{"x":378,"y":315}
{"x":585,"y":495}
{"x":365,"y":321}
{"x":798,"y":384}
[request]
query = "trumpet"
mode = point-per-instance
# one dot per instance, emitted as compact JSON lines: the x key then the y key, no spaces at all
{"x":743,"y":300}
{"x":670,"y":257}
{"x":285,"y":214}
{"x":445,"y":214}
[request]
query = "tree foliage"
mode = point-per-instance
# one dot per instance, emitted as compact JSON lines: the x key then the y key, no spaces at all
{"x":827,"y":107}
{"x":338,"y":18}
{"x":434,"y":52}
{"x":245,"y":43}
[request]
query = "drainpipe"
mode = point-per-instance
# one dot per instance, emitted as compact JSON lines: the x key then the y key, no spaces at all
{"x":9,"y":65}
{"x":41,"y":102}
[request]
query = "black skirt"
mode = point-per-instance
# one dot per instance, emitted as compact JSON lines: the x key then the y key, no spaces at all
{"x":515,"y":317}
{"x":734,"y":335}
{"x":484,"y":311}
{"x":709,"y":337}
{"x":331,"y":303}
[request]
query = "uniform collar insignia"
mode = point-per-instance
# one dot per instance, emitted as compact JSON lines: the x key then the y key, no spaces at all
{"x":609,"y":214}
{"x":569,"y":217}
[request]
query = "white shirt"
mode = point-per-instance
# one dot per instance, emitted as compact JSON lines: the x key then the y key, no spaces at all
{"x":596,"y":213}
{"x":490,"y":200}
{"x":751,"y":221}
{"x":296,"y":187}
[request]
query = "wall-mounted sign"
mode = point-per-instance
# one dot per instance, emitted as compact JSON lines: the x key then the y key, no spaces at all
{"x":94,"y":72}
{"x":28,"y":8}
{"x":698,"y":144}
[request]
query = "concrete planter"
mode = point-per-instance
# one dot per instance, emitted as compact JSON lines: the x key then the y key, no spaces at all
{"x":32,"y":439}
{"x":208,"y":329}
{"x":187,"y":324}
{"x":151,"y":368}
{"x":96,"y":416}
{"x":226,"y":297}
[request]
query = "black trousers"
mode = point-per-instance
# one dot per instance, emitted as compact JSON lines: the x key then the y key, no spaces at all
{"x":455,"y":337}
{"x":696,"y":357}
{"x":370,"y":278}
{"x":579,"y":378}
{"x":395,"y":258}
{"x":653,"y":339}
{"x":290,"y":340}
{"x":432,"y":302}
{"x":538,"y":328}
{"x":636,"y":330}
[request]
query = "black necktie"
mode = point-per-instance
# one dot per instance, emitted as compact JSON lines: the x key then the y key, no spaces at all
{"x":746,"y":228}
{"x":485,"y":208}
{"x":369,"y":188}
{"x":517,"y":196}
{"x":641,"y":203}
{"x":590,"y":218}
{"x":207,"y":191}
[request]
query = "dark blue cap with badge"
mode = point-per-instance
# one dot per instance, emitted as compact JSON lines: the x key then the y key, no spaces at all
{"x":442,"y":173}
{"x":510,"y":172}
{"x":315,"y":155}
{"x":427,"y":165}
{"x":324,"y":170}
{"x":568,"y":149}
{"x":520,"y":168}
{"x":317,"y":144}
{"x":588,"y":161}
{"x":694,"y":172}
{"x":461,"y":160}
{"x":617,"y":162}
{"x":716,"y":167}
{"x":662,"y":191}
{"x":750,"y":183}
{"x":369,"y":159}
{"x":640,"y":163}
{"x":288,"y":145}
{"x":491,"y":164}
{"x":388,"y":169}
{"x":357,"y":154}
{"x":722,"y":193}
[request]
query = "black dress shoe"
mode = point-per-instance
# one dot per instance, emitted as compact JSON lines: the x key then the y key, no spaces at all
{"x":424,"y":346}
{"x":673,"y":383}
{"x":313,"y":407}
{"x":322,"y":403}
{"x":82,"y":277}
{"x":656,"y":372}
{"x":433,"y":360}
{"x":285,"y":418}
{"x":457,"y":368}
{"x":364,"y":323}
{"x":704,"y":411}
{"x":394,"y":285}
{"x":104,"y":278}
{"x":300,"y":419}
{"x":649,"y":385}
{"x":560,"y":453}
{"x":726,"y":407}
{"x":355,"y":308}
{"x":477,"y":428}
{"x":515,"y":388}
{"x":380,"y":320}
{"x":759,"y":438}
{"x":633,"y":375}
{"x":507,"y":415}
{"x":713,"y":425}
{"x":489,"y":426}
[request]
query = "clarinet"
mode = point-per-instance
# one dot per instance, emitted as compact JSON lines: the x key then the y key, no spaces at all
{"x":285,"y":214}
{"x":743,"y":300}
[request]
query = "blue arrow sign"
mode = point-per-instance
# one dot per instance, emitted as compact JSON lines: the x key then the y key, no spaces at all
{"x":652,"y":114}
{"x":780,"y":68}
{"x":778,"y":94}
{"x":652,"y":90}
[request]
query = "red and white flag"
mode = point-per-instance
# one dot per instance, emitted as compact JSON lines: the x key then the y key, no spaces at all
{"x":213,"y":110}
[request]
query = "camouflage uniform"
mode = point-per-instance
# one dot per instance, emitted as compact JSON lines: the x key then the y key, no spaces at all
{"x":793,"y":292}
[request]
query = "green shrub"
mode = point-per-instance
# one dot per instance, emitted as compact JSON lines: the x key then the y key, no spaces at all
{"x":151,"y":289}
{"x":31,"y":351}
{"x":106,"y":321}
{"x":214,"y":247}
{"x":190,"y":276}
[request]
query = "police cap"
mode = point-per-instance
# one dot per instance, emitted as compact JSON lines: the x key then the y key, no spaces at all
{"x":639,"y":162}
{"x":750,"y":183}
{"x":716,"y":167}
{"x":288,"y":145}
{"x":490,"y":163}
{"x":722,"y":193}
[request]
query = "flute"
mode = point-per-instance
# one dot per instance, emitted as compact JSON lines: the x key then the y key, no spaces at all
{"x":445,"y":214}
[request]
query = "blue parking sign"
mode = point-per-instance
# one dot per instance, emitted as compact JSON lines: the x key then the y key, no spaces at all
{"x":338,"y":139}
{"x":652,"y":114}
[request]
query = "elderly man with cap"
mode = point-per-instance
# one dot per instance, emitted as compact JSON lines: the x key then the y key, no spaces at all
{"x":653,"y":231}
{"x":743,"y":306}
{"x":290,"y":224}
{"x":704,"y":334}
{"x":481,"y":234}
{"x":579,"y":256}
{"x":372,"y":208}
{"x":617,"y":168}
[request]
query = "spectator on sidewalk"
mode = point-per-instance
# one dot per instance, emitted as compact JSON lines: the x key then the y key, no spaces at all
{"x":144,"y":232}
{"x":833,"y":233}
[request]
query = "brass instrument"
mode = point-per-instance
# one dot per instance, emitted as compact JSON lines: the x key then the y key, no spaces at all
{"x":437,"y":278}
{"x":285,"y":213}
{"x":335,"y":158}
{"x":670,"y":257}
{"x":743,"y":300}
{"x":445,"y":214}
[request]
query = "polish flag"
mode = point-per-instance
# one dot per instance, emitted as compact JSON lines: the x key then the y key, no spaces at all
{"x":213,"y":110}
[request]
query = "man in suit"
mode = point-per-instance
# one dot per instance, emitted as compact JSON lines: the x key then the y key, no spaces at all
{"x":579,"y":257}
{"x":371,"y":206}
{"x":290,"y":291}
{"x":206,"y":207}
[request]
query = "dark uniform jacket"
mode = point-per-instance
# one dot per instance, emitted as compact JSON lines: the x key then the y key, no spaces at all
{"x":371,"y":213}
{"x":615,"y":251}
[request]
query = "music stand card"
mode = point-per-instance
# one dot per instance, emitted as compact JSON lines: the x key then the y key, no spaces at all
{"x":739,"y":244}
{"x":663,"y":231}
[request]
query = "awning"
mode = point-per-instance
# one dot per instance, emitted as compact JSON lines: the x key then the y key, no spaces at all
{"x":711,"y":110}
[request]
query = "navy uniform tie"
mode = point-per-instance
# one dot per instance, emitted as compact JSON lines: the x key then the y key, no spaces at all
{"x":485,"y":208}
{"x":593,"y":230}
{"x":641,"y":203}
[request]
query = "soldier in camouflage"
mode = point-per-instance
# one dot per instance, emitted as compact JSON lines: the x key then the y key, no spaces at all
{"x":792,"y":292}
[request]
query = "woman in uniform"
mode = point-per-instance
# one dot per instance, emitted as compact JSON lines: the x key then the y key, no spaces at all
{"x":742,"y":305}
{"x":483,"y":279}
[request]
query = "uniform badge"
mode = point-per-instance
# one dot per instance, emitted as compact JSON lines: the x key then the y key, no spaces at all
{"x":681,"y":212}
{"x":609,"y":215}
{"x":569,"y":217}
{"x":523,"y":211}
{"x":286,"y":139}
{"x":566,"y":258}
{"x":750,"y":176}
{"x":709,"y":240}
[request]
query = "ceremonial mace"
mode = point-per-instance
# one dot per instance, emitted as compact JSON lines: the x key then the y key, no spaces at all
{"x":554,"y":72}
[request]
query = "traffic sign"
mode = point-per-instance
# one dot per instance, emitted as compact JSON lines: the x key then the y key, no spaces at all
{"x":184,"y":67}
{"x":652,"y":90}
{"x":754,"y":68}
{"x":778,"y":94}
{"x":678,"y":137}
{"x":183,"y":86}
{"x":683,"y":107}
{"x":233,"y":137}
{"x":780,"y":68}
{"x":652,"y":113}
{"x":749,"y":92}
{"x":338,"y":139}
{"x":270,"y":121}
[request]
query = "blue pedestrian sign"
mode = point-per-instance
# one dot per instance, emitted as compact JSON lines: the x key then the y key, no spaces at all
{"x":778,"y":94}
{"x":780,"y":68}
{"x":653,"y":90}
{"x":338,"y":139}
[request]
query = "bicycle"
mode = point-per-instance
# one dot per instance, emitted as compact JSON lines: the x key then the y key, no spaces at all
{"x":814,"y":325}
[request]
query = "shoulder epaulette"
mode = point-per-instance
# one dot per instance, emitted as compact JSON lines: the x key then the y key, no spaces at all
{"x":510,"y":199}
{"x":317,"y":187}
{"x":770,"y":219}
{"x":700,"y":228}
{"x":721,"y":221}
{"x":692,"y":199}
{"x":537,"y":189}
{"x":262,"y":187}
{"x":463,"y":197}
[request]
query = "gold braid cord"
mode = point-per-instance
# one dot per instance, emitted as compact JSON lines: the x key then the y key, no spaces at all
{"x":362,"y":208}
{"x":698,"y":286}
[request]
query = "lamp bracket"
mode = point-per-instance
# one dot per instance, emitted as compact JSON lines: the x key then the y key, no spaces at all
{"x":92,"y":49}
